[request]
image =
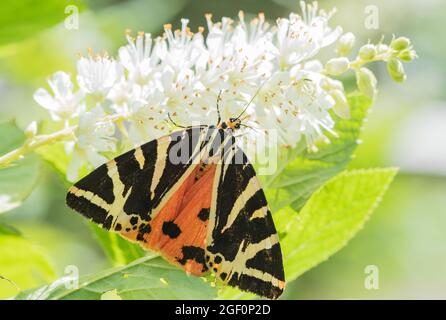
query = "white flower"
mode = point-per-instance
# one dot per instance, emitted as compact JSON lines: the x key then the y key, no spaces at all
{"x":179,"y":91}
{"x":345,"y":44}
{"x":147,"y":117}
{"x":120,"y":95}
{"x":238,"y":60}
{"x":336,"y":89}
{"x":337,"y":66}
{"x":93,"y":135}
{"x":272,"y":71}
{"x":64,"y":103}
{"x":270,"y":99}
{"x":302,"y":110}
{"x":139,"y":58}
{"x":181,"y":49}
{"x":301,"y":37}
{"x":97,"y":74}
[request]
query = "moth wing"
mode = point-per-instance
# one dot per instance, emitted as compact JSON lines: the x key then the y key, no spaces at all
{"x":127,"y":192}
{"x":242,"y":244}
{"x":180,"y":228}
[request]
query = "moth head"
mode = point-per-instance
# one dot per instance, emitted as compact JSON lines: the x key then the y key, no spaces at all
{"x":232,"y":123}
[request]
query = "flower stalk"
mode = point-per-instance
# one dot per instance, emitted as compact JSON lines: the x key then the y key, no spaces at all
{"x":33,"y":143}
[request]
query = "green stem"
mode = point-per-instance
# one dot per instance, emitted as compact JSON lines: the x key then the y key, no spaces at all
{"x":34,"y":143}
{"x":38,"y":141}
{"x":358,"y":63}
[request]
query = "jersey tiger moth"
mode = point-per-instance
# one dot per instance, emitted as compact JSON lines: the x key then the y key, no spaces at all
{"x":194,"y":197}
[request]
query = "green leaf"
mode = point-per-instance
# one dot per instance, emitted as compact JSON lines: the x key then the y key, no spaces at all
{"x":12,"y":137}
{"x":119,"y":250}
{"x":20,"y":20}
{"x":231,"y":293}
{"x":331,"y":217}
{"x":301,"y":172}
{"x":18,"y":180}
{"x":56,"y":156}
{"x":148,"y":278}
{"x":22,"y":265}
{"x":9,"y":230}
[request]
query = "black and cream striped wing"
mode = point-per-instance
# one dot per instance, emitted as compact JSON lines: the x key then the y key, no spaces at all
{"x":128,"y":191}
{"x":242,"y":245}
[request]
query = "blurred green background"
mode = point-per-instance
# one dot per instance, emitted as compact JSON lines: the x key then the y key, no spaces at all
{"x":405,"y":237}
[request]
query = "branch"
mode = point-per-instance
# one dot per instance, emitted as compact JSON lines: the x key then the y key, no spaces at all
{"x":38,"y":141}
{"x":34,"y":143}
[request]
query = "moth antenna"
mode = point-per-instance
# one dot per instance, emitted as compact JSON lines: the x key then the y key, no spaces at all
{"x":245,"y":117}
{"x":174,"y":123}
{"x":253,"y":97}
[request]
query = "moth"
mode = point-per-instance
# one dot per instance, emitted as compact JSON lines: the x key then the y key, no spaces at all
{"x":194,"y":197}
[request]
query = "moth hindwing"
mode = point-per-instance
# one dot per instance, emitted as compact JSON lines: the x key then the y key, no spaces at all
{"x":194,"y":197}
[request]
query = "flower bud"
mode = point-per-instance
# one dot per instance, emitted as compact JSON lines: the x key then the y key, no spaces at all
{"x":381,"y":48}
{"x":366,"y":82}
{"x":341,"y":107}
{"x":396,"y":70}
{"x":31,"y":130}
{"x":367,"y":52}
{"x":329,"y":84}
{"x":337,"y":66}
{"x":407,"y":55}
{"x":400,"y":43}
{"x":345,"y":44}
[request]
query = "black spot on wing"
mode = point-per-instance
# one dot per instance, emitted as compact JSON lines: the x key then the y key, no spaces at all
{"x":204,"y":214}
{"x":143,"y":230}
{"x":268,"y":260}
{"x":133,"y":220}
{"x":193,"y":253}
{"x":171,"y":229}
{"x":255,"y":285}
{"x":140,"y":237}
{"x":99,"y":183}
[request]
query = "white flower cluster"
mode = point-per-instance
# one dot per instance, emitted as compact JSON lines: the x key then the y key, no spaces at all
{"x":182,"y":73}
